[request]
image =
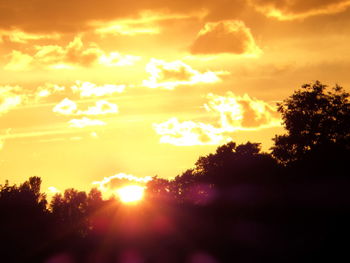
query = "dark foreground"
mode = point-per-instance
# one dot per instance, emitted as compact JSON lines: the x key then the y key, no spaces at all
{"x":300,"y":221}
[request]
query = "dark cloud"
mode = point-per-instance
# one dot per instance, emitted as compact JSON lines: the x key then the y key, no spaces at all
{"x":76,"y":15}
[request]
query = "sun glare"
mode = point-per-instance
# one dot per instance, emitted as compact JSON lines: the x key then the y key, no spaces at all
{"x":131,"y":193}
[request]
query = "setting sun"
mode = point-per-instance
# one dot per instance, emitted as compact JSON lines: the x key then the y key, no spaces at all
{"x":131,"y":193}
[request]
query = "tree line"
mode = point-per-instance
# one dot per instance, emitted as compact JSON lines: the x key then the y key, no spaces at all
{"x":238,"y":204}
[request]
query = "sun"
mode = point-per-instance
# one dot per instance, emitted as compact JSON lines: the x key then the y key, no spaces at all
{"x":130,"y":194}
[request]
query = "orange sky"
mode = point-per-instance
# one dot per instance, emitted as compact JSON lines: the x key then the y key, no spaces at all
{"x":93,"y":89}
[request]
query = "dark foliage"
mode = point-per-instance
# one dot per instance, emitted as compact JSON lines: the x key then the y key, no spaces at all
{"x":236,"y":205}
{"x":315,"y":119}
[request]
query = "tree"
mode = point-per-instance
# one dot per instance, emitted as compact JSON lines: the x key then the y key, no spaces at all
{"x":158,"y":188}
{"x":315,"y":118}
{"x":24,"y":221}
{"x":70,"y":210}
{"x":232,"y":163}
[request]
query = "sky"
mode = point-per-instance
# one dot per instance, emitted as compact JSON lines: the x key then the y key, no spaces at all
{"x":93,"y":90}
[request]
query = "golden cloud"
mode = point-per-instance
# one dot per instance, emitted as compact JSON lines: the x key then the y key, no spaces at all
{"x":235,"y":113}
{"x":115,"y":59}
{"x":19,"y":36}
{"x":69,"y":107}
{"x":102,"y":107}
{"x":83,"y":89}
{"x":85,"y":122}
{"x":88,"y":89}
{"x":109,"y":185}
{"x":66,"y":107}
{"x":143,"y":25}
{"x":189,"y":133}
{"x":70,"y":56}
{"x":169,"y":75}
{"x":18,"y":61}
{"x":299,"y":9}
{"x":242,"y":112}
{"x":48,"y":89}
{"x":147,"y":22}
{"x":10,"y":98}
{"x":225,"y":37}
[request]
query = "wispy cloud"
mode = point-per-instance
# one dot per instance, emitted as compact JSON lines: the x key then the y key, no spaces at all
{"x":169,"y":75}
{"x":69,"y":107}
{"x":10,"y":98}
{"x":85,"y":122}
{"x":189,"y":133}
{"x":299,"y":9}
{"x":102,"y":107}
{"x":19,"y":36}
{"x":74,"y":54}
{"x":88,"y":89}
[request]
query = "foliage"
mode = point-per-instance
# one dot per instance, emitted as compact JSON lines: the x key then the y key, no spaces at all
{"x":231,"y":164}
{"x":315,"y":117}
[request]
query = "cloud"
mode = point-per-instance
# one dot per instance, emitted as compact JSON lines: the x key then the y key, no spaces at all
{"x":102,"y":107}
{"x":88,"y":89}
{"x":225,"y":37}
{"x":299,"y":9}
{"x":188,"y":133}
{"x":10,"y":98}
{"x":69,"y":107}
{"x":48,"y":89}
{"x":242,"y":112}
{"x":18,"y":61}
{"x":85,"y":122}
{"x":169,"y":75}
{"x":109,"y":185}
{"x":234,"y":113}
{"x":67,"y":57}
{"x":79,"y":15}
{"x":19,"y":36}
{"x":115,"y":59}
{"x":66,"y":107}
{"x":83,"y":89}
{"x":145,"y":24}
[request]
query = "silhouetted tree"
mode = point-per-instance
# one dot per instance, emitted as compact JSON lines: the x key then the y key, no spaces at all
{"x":216,"y":173}
{"x":158,"y":188}
{"x":315,"y":118}
{"x":235,"y":163}
{"x":24,"y":221}
{"x":94,"y":201}
{"x":70,"y":211}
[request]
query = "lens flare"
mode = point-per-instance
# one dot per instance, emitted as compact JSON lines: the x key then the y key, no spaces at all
{"x":131,"y":193}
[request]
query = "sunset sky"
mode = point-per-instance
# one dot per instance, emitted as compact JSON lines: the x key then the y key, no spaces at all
{"x":93,"y":89}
